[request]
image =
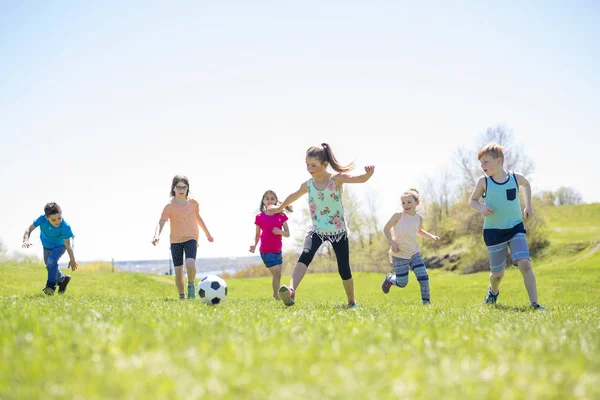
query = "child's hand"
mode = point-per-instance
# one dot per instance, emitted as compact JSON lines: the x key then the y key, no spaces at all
{"x":273,"y":210}
{"x":395,"y":247}
{"x":487,"y":211}
{"x":277,"y":231}
{"x":73,"y":265}
{"x":435,"y":238}
{"x":370,"y":169}
{"x":155,"y":240}
{"x":26,"y":244}
{"x":252,"y":249}
{"x":210,"y":238}
{"x":527,"y":212}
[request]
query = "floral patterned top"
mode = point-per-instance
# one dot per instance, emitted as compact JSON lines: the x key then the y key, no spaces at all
{"x":326,"y":209}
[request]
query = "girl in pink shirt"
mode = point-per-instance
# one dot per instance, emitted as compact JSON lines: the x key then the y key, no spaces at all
{"x":269,"y":230}
{"x":183,"y":212}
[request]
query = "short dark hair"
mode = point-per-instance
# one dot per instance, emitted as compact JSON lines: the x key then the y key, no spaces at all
{"x":51,"y":209}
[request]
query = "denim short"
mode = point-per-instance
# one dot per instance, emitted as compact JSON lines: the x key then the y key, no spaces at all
{"x":518,"y":250}
{"x":272,"y":259}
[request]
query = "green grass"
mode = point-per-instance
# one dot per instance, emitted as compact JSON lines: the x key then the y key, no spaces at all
{"x":126,"y":336}
{"x":572,"y":223}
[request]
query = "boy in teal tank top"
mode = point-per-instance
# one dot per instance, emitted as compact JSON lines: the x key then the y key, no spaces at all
{"x":503,"y":221}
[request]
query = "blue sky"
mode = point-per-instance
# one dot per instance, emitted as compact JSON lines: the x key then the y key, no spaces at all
{"x":102,"y":103}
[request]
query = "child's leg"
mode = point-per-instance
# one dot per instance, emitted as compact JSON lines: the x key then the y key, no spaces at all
{"x":190,"y":248}
{"x":276,"y":273}
{"x":420,"y":271}
{"x":312,"y":242}
{"x":51,"y":257}
{"x":400,"y":278}
{"x":520,"y":254}
{"x":341,"y":249}
{"x":497,"y":256}
{"x":177,"y":254}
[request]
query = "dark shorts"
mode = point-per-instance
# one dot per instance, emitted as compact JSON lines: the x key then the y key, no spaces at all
{"x":177,"y":250}
{"x":272,"y":259}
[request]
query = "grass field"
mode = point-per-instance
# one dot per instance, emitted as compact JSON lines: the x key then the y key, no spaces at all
{"x":126,"y":336}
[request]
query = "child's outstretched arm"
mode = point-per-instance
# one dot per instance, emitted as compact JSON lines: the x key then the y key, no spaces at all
{"x":285,"y":232}
{"x":72,"y":263}
{"x":256,"y":239}
{"x":523,"y":182}
{"x":288,"y":200}
{"x":204,"y":228}
{"x":26,"y":235}
{"x":387,"y":231}
{"x":158,"y":230}
{"x":362,"y":178}
{"x":423,"y":233}
{"x":476,"y":195}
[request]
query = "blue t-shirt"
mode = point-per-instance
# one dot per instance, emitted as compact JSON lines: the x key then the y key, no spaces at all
{"x":52,"y":236}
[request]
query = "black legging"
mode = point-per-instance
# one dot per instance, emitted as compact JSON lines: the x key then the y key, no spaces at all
{"x":340,"y":247}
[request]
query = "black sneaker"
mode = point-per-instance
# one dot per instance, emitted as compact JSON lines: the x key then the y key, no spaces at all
{"x":49,"y":290}
{"x":62,"y":286}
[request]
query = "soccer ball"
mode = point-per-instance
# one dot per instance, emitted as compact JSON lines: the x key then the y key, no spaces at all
{"x":212,"y":289}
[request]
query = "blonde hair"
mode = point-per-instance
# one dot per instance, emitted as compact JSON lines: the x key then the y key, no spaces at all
{"x":412,"y":192}
{"x":492,"y":149}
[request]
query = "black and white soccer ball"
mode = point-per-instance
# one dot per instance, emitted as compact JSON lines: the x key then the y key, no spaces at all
{"x":212,"y":290}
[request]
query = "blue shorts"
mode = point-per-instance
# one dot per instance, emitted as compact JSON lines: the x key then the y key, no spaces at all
{"x":518,"y":251}
{"x":272,"y":259}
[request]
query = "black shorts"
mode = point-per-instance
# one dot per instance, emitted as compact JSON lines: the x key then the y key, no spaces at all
{"x":177,"y":250}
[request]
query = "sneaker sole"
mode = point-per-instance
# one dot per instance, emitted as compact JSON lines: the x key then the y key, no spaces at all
{"x":286,"y":296}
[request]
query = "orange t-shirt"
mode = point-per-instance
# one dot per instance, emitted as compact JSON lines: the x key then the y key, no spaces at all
{"x":183,"y":219}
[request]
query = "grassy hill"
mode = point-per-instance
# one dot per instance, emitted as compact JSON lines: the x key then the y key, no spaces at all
{"x":126,"y":336}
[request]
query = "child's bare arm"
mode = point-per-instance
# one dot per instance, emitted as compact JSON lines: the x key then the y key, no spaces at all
{"x":476,"y":195}
{"x":285,"y":232}
{"x":256,"y":239}
{"x":362,"y":178}
{"x":158,"y":230}
{"x":288,"y":200}
{"x":524,"y":183}
{"x":423,"y":233}
{"x":72,"y":263}
{"x":387,"y":230}
{"x":205,"y":229}
{"x":26,"y":235}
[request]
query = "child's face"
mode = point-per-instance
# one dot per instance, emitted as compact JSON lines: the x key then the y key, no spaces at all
{"x":55,"y":219}
{"x":490,"y":165}
{"x":181,"y":189}
{"x":314,"y":166}
{"x":409,"y":203}
{"x":269,"y":199}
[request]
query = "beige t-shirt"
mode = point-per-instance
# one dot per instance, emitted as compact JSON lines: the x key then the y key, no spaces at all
{"x":183,"y":219}
{"x":405,"y":234}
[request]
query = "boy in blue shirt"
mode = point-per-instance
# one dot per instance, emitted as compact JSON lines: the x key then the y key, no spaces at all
{"x":503,"y":221}
{"x":56,"y":236}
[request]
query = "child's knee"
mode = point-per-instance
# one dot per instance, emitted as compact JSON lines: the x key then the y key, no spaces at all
{"x":524,"y":265}
{"x":276,"y":272}
{"x":401,"y":280}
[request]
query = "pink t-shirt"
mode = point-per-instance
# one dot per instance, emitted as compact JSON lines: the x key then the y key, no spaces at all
{"x":183,"y":220}
{"x":270,"y":242}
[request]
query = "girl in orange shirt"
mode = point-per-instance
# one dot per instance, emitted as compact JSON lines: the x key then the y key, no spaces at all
{"x":184,"y":214}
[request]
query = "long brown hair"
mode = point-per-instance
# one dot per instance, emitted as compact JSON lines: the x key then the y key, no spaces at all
{"x":324,"y":153}
{"x":262,"y":207}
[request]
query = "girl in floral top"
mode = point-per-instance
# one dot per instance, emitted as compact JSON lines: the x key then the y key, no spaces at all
{"x":327,"y":213}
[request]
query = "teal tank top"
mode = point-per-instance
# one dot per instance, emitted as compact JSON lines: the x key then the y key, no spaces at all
{"x":503,"y":198}
{"x":326,"y":209}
